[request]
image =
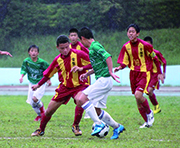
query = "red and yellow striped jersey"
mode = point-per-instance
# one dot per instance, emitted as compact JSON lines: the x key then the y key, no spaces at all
{"x":63,"y":64}
{"x":137,"y":56}
{"x":79,"y":46}
{"x":161,"y":59}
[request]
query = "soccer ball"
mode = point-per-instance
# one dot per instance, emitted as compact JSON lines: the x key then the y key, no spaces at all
{"x":104,"y":131}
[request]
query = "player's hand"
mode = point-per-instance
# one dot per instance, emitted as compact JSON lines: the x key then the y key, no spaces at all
{"x":21,"y":80}
{"x":6,"y":53}
{"x":164,"y":75}
{"x":76,"y":68}
{"x":116,"y":69}
{"x":48,"y":83}
{"x":34,"y":87}
{"x":161,"y":77}
{"x":83,"y":77}
{"x":115,"y":77}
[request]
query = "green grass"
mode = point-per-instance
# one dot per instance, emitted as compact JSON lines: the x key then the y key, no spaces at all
{"x":16,"y":125}
{"x":165,"y":40}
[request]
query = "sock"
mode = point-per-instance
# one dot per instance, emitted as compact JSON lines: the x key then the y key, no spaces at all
{"x":38,"y":107}
{"x":145,"y":104}
{"x":153,"y":99}
{"x":89,"y":108}
{"x":142,"y":111}
{"x":44,"y":121}
{"x":78,"y":115}
{"x":104,"y":116}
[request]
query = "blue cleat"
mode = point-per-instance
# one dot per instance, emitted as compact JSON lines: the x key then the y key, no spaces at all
{"x":117,"y":131}
{"x":97,"y":129}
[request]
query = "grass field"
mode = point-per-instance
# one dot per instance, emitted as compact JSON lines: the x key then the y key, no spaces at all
{"x":16,"y":125}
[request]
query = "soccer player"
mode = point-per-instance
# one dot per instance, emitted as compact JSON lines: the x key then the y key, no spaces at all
{"x":5,"y":53}
{"x":34,"y":67}
{"x":75,"y":44}
{"x":70,"y":84}
{"x":138,"y":55}
{"x":154,"y":82}
{"x":97,"y":93}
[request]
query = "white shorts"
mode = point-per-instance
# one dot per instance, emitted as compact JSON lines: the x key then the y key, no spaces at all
{"x":37,"y":93}
{"x":98,"y":92}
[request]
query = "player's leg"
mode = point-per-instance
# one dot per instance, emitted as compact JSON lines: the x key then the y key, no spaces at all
{"x":77,"y":118}
{"x":144,"y":109}
{"x":37,"y":104}
{"x":52,"y":107}
{"x":118,"y":128}
{"x":154,"y":101}
{"x":83,"y":101}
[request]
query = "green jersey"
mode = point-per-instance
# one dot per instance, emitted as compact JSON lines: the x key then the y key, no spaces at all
{"x":34,"y":70}
{"x":98,"y":56}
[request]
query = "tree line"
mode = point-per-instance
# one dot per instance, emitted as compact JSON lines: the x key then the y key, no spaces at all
{"x":25,"y":17}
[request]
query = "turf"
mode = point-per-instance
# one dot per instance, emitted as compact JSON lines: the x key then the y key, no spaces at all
{"x":16,"y":125}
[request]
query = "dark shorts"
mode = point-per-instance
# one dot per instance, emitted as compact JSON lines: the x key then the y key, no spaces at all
{"x":64,"y":94}
{"x":154,"y":82}
{"x":139,"y":81}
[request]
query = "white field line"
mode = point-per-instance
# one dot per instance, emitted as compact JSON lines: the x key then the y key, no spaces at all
{"x":21,"y":138}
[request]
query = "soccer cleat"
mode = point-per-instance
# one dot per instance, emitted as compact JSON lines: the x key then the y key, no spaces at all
{"x":156,"y":109}
{"x":97,"y":129}
{"x":37,"y":132}
{"x":145,"y":125}
{"x":38,"y":118}
{"x":150,"y":118}
{"x":76,"y":130}
{"x":117,"y":131}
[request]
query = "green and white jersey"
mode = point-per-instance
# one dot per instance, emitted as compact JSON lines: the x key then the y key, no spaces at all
{"x":34,"y":70}
{"x":98,"y":56}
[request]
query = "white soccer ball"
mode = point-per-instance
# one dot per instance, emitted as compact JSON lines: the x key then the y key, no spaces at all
{"x":104,"y":131}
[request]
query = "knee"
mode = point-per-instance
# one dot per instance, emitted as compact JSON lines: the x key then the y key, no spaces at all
{"x":35,"y":99}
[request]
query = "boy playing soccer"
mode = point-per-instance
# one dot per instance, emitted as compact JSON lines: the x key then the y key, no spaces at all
{"x":75,"y":44}
{"x":34,"y":67}
{"x":97,"y":93}
{"x":154,"y":82}
{"x":138,"y":55}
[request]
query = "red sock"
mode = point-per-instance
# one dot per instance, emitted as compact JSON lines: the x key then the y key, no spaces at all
{"x":42,"y":109}
{"x":145,"y":104}
{"x":78,"y":115}
{"x":44,"y":121}
{"x":142,"y":111}
{"x":153,"y":99}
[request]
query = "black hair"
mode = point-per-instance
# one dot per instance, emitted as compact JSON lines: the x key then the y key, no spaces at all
{"x":134,"y":26}
{"x":86,"y":32}
{"x":148,"y":38}
{"x":33,"y":46}
{"x":62,"y":39}
{"x":73,"y":30}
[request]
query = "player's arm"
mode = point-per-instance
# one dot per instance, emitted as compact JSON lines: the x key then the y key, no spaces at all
{"x":47,"y":74}
{"x":163,"y":61}
{"x":5,"y":53}
{"x":85,"y":75}
{"x":123,"y":60}
{"x":110,"y":67}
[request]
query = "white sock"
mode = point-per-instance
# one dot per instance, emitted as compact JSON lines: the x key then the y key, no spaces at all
{"x":104,"y":116}
{"x":90,"y":110}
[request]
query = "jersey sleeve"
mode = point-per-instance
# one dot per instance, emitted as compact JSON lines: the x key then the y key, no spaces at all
{"x":123,"y":58}
{"x":162,"y":60}
{"x":23,"y":68}
{"x":101,"y":52}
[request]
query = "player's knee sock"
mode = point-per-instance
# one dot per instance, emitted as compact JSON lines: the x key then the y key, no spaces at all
{"x":153,"y":99}
{"x":38,"y":107}
{"x":78,"y":115}
{"x":89,"y":108}
{"x":104,"y":116}
{"x":145,"y":104}
{"x":44,"y":121}
{"x":142,"y":111}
